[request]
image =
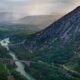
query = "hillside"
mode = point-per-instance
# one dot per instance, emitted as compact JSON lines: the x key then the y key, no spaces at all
{"x":57,"y":45}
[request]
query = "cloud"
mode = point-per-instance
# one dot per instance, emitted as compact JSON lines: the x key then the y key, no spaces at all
{"x":37,"y":7}
{"x":52,"y":6}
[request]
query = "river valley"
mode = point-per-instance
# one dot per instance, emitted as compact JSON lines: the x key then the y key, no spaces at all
{"x":20,"y":66}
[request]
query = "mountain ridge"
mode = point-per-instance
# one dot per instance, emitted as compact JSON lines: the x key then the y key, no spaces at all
{"x":39,"y":20}
{"x":60,"y":35}
{"x":53,"y":28}
{"x":58,"y":46}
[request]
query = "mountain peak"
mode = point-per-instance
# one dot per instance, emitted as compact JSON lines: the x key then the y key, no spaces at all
{"x":63,"y":29}
{"x":77,"y":8}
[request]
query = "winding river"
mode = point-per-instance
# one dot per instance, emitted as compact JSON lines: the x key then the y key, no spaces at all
{"x":20,"y":66}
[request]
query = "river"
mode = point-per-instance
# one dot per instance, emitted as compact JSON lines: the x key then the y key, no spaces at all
{"x":20,"y":66}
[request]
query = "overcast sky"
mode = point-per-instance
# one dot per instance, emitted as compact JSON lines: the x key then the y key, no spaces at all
{"x":37,"y":7}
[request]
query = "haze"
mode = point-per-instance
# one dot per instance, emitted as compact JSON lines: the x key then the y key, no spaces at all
{"x":21,"y":8}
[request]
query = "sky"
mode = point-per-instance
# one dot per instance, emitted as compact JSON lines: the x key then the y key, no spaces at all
{"x":20,"y":8}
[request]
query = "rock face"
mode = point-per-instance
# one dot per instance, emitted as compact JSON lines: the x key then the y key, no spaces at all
{"x":64,"y":30}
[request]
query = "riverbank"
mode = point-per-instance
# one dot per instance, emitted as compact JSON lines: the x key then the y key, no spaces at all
{"x":20,"y":67}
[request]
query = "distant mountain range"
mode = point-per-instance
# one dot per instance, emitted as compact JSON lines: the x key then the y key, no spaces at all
{"x":28,"y":23}
{"x":41,"y":21}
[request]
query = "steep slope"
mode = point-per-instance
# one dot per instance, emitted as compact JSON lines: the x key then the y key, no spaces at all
{"x":65,"y":29}
{"x":58,"y":46}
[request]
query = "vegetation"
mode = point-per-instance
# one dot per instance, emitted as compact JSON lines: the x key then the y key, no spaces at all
{"x":3,"y":72}
{"x":58,"y":55}
{"x":44,"y":71}
{"x":18,"y":76}
{"x":6,"y":69}
{"x":54,"y":51}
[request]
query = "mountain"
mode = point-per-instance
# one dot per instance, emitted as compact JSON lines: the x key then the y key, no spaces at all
{"x":63,"y":33}
{"x":41,"y":21}
{"x":65,"y":29}
{"x":58,"y":46}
